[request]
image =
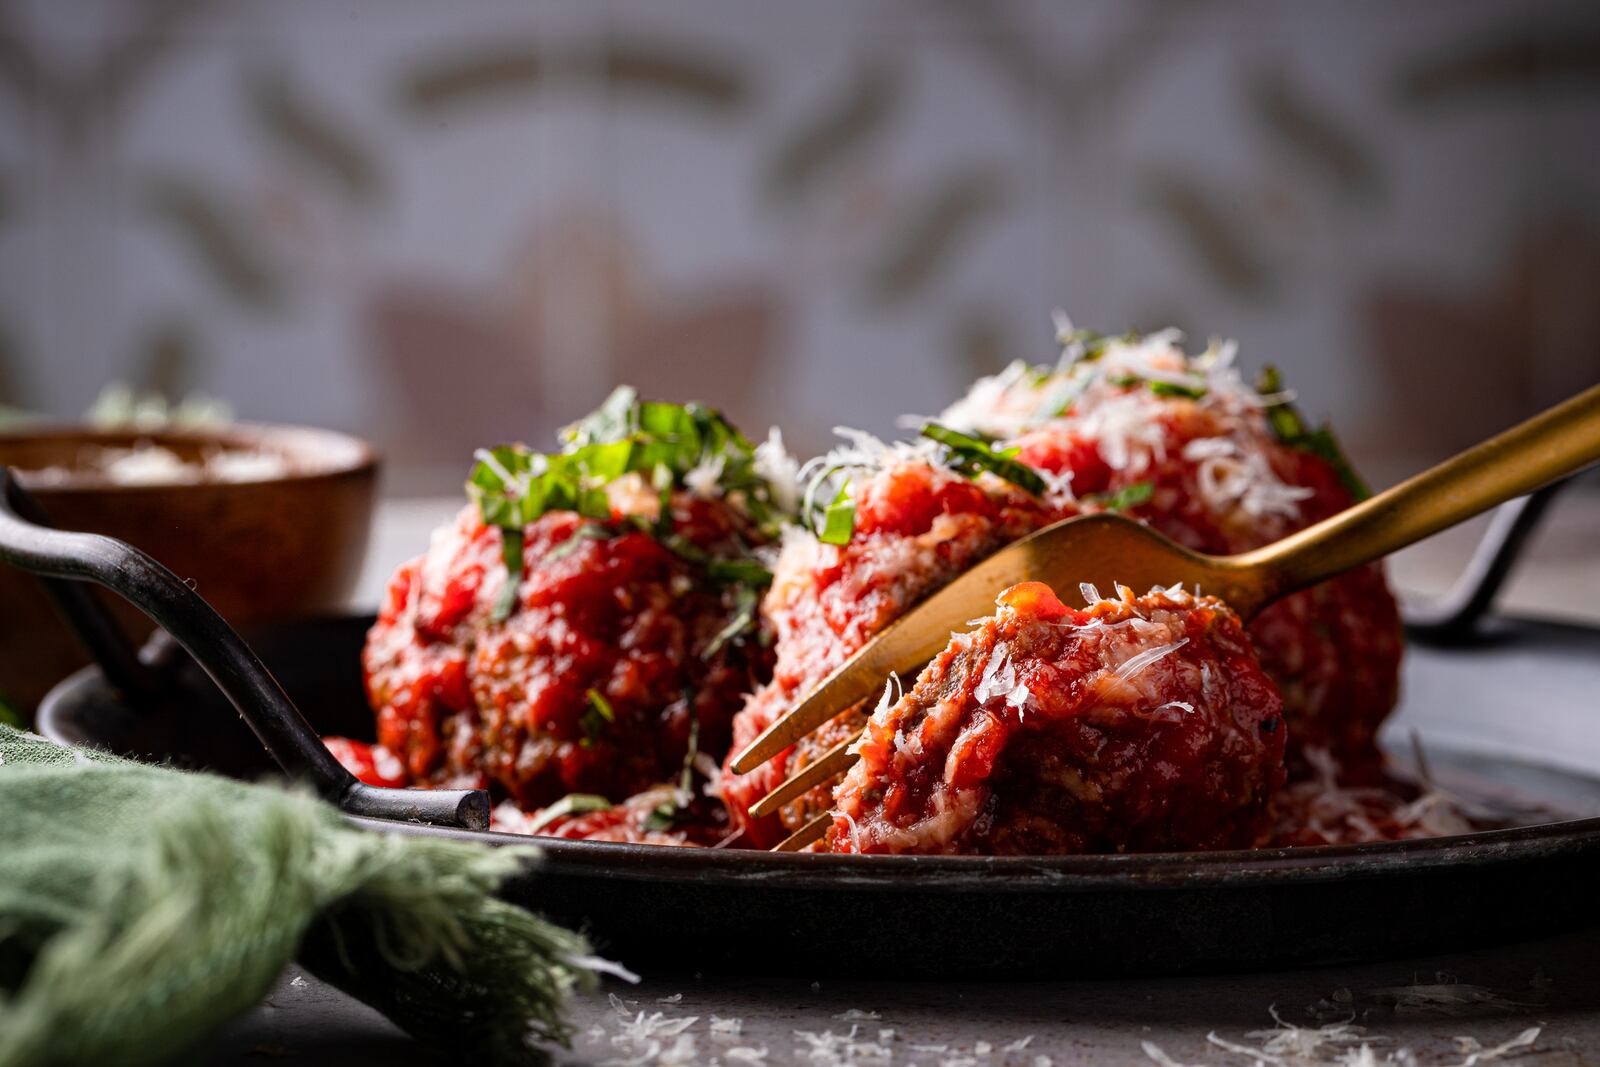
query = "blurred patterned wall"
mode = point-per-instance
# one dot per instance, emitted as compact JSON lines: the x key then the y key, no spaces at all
{"x":442,"y":225}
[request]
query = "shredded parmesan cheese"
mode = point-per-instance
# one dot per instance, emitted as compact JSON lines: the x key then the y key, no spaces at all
{"x":704,"y":479}
{"x":781,"y":471}
{"x":1131,"y":667}
{"x":1119,"y":401}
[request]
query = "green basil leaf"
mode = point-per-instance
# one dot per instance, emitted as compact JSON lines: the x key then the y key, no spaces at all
{"x":593,"y":504}
{"x":686,"y":777}
{"x":612,"y":421}
{"x":955,"y":438}
{"x":596,"y":714}
{"x":744,"y":618}
{"x":971,"y":455}
{"x":1174,"y":389}
{"x":1288,"y":426}
{"x":1130,"y":496}
{"x":587,"y":532}
{"x":663,"y":816}
{"x":747,"y":571}
{"x":571,"y":804}
{"x":514,"y":486}
{"x":839,"y":520}
{"x":511,"y":554}
{"x":608,"y":462}
{"x":1322,"y":442}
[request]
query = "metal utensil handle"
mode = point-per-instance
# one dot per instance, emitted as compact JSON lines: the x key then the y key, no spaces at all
{"x":1455,"y":617}
{"x":1560,"y":441}
{"x":230,"y":663}
{"x":86,"y":614}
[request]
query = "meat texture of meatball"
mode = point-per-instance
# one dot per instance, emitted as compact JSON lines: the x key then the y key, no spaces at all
{"x":589,"y":686}
{"x":1137,"y":724}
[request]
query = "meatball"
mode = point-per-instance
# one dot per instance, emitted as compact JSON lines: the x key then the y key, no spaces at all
{"x":615,"y":647}
{"x":917,"y":527}
{"x":1181,"y":443}
{"x":1138,"y":724}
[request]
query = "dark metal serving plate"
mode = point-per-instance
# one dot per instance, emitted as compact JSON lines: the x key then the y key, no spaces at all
{"x":1515,"y":714}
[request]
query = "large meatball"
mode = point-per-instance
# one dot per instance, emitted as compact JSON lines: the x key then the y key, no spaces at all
{"x":917,"y":527}
{"x":1138,"y":724}
{"x":1182,"y":444}
{"x":616,"y":645}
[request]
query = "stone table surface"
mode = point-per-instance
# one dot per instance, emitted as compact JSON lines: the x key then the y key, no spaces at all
{"x":1542,"y":997}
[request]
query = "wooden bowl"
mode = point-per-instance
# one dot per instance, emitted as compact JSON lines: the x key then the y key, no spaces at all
{"x":281,"y":547}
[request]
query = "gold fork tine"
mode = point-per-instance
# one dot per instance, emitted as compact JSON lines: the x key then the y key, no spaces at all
{"x":903,"y":645}
{"x":858,"y":678}
{"x":837,"y":760}
{"x":805,"y":835}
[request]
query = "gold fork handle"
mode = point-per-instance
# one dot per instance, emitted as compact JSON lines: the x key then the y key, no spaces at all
{"x":1561,"y":441}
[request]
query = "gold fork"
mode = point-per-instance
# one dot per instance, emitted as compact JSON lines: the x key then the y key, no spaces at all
{"x":1109,"y":550}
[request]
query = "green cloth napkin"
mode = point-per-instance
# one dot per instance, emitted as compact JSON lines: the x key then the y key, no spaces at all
{"x":142,"y":907}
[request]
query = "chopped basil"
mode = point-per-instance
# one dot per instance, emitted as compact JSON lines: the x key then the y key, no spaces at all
{"x":1060,"y":402}
{"x":611,"y":421}
{"x":686,"y":777}
{"x":1174,"y":389}
{"x":744,"y":618}
{"x":664,"y":816}
{"x":1290,"y":428}
{"x":514,"y":485}
{"x":664,"y":443}
{"x":1322,"y":442}
{"x":511,"y":553}
{"x":1092,"y":342}
{"x":1159,"y":388}
{"x":746,"y":571}
{"x":971,"y":455}
{"x":839,"y":520}
{"x":964,"y":453}
{"x":671,"y":813}
{"x":811,"y":506}
{"x":594,"y":718}
{"x":571,"y":804}
{"x":1038,"y":376}
{"x":1129,"y":496}
{"x":684,"y":548}
{"x":662,"y":479}
{"x":589,"y":531}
